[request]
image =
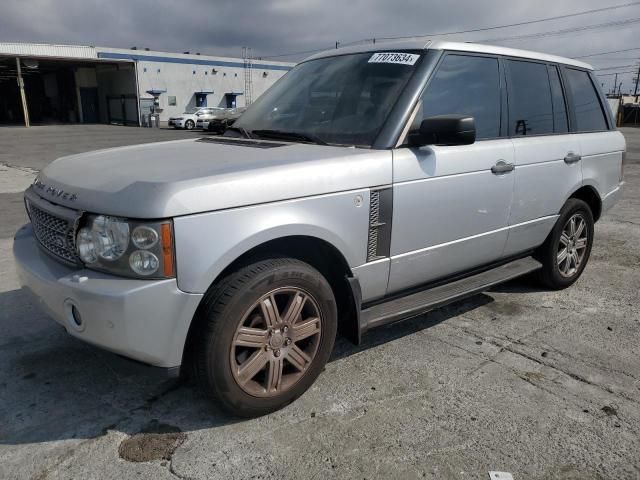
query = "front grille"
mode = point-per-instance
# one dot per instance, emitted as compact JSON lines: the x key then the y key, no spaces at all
{"x":55,"y":234}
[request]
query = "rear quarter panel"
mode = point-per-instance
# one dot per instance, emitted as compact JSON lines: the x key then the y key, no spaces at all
{"x":602,"y":160}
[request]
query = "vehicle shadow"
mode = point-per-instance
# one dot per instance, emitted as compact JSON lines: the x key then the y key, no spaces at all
{"x":55,"y":387}
{"x":527,"y":284}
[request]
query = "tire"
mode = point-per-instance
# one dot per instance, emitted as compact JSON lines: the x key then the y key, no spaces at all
{"x":238,"y":331}
{"x":189,"y":125}
{"x":557,"y":274}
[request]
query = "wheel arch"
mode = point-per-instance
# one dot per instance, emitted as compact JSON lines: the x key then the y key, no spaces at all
{"x":317,"y":252}
{"x":589,"y":195}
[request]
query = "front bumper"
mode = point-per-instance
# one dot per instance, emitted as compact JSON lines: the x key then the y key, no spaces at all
{"x":176,"y":123}
{"x":146,"y":320}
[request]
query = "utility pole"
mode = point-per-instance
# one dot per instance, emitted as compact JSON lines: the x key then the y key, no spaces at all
{"x":635,"y":93}
{"x":615,"y":84}
{"x":25,"y":111}
{"x":247,"y":56}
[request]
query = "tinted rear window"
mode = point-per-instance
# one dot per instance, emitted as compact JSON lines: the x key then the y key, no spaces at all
{"x":586,"y":104}
{"x":530,"y":103}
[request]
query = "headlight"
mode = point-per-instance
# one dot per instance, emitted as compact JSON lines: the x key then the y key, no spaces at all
{"x":144,"y":237}
{"x":111,"y":237}
{"x":144,"y":262}
{"x":127,"y":247}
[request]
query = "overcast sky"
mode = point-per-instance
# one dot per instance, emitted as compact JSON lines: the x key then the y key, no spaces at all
{"x":272,"y":27}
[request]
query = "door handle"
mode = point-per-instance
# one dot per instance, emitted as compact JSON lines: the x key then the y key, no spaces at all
{"x":572,"y":158}
{"x":502,"y":167}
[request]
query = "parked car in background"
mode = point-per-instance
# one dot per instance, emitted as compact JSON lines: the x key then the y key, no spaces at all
{"x":367,"y":186}
{"x":214,"y":112}
{"x":220,"y":124}
{"x":188,"y":119}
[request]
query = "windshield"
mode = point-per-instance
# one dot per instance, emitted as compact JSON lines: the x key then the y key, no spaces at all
{"x":192,"y":110}
{"x":341,"y":100}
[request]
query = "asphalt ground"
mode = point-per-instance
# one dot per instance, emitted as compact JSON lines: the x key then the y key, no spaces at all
{"x":545,"y":385}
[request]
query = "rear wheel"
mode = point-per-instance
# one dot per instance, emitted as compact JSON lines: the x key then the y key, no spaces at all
{"x":267,"y":330}
{"x":565,"y":253}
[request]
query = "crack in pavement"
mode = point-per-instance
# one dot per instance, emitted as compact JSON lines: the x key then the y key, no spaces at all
{"x":173,"y":472}
{"x":508,"y":347}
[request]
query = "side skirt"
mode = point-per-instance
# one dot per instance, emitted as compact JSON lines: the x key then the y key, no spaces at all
{"x":416,"y":303}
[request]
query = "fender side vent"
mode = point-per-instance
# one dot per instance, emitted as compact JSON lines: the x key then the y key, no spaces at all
{"x":380,"y":210}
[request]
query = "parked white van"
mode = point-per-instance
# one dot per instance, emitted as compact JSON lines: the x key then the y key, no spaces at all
{"x":369,"y":185}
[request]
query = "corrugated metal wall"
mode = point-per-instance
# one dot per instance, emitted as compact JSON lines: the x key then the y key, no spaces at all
{"x":45,"y":50}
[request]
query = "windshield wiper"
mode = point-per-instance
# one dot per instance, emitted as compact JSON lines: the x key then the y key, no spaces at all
{"x":242,"y":131}
{"x":282,"y":135}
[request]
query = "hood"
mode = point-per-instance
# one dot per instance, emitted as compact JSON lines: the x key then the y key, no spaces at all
{"x":169,"y":179}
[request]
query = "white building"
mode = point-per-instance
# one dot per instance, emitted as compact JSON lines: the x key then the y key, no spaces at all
{"x":84,"y":84}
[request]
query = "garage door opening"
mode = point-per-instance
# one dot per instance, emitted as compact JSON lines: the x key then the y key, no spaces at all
{"x":64,"y":92}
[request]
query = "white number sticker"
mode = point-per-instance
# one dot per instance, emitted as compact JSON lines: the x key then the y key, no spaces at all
{"x":392,"y":57}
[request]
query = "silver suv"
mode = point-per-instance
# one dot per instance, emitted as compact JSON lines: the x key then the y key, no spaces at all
{"x":369,"y":185}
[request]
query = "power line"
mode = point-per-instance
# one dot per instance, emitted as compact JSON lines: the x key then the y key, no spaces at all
{"x":613,"y":68}
{"x":607,"y":53}
{"x":621,"y":58}
{"x":475,"y":30}
{"x":615,"y":73}
{"x":496,"y":27}
{"x":295,"y":53}
{"x":618,"y":23}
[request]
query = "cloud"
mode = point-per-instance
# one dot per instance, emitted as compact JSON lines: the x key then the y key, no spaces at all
{"x":272,"y":27}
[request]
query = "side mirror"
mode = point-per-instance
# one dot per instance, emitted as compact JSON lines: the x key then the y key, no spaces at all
{"x":444,"y":130}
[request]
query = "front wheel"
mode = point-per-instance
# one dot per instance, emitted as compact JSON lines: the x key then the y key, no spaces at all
{"x":189,"y":125}
{"x":267,"y":331}
{"x":565,"y":253}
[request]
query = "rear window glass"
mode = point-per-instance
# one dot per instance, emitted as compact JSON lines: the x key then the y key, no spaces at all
{"x":586,"y":104}
{"x":530,"y":102}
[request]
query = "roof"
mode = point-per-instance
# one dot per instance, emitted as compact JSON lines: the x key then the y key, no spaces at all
{"x":75,"y":52}
{"x":416,"y":44}
{"x":47,"y":50}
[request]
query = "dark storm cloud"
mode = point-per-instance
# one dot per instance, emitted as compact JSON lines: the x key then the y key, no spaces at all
{"x":271,"y":27}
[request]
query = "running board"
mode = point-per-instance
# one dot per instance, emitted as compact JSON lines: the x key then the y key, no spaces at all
{"x":425,"y":300}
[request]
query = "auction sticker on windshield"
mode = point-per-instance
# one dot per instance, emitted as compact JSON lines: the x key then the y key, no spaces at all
{"x":393,"y":57}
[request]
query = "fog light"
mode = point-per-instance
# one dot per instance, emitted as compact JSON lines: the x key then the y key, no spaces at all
{"x":144,"y":262}
{"x":75,"y":314}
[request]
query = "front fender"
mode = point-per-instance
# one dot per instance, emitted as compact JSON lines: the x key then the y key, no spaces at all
{"x":209,"y":242}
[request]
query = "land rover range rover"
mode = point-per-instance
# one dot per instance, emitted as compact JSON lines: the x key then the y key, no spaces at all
{"x":369,"y":185}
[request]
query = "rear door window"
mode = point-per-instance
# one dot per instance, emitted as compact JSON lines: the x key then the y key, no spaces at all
{"x":466,"y":85}
{"x":530,"y":100}
{"x":586,"y":104}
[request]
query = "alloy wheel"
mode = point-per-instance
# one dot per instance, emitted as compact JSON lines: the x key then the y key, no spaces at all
{"x":572,"y":245}
{"x":276,"y":342}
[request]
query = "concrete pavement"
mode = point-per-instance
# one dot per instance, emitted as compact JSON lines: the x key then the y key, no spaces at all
{"x":544,"y":385}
